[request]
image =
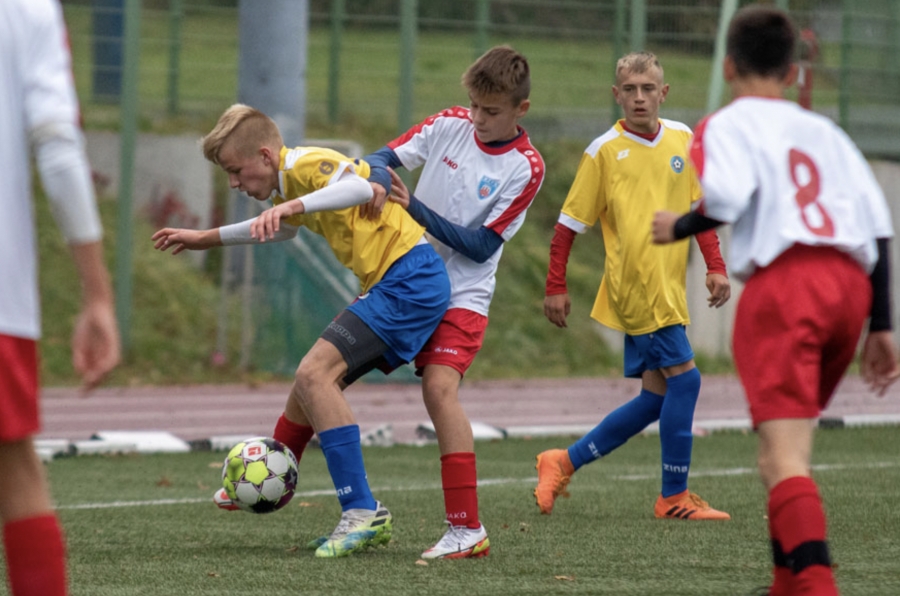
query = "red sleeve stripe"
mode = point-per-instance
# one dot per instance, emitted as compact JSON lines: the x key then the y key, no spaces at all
{"x":457,"y":112}
{"x":696,"y":151}
{"x":521,"y":202}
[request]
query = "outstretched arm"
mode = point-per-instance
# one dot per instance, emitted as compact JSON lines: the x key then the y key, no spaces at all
{"x":477,"y":245}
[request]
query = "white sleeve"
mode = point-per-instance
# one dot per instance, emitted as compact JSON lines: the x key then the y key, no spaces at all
{"x":66,"y":176}
{"x":727,"y":189}
{"x":347,"y":191}
{"x":51,"y":118}
{"x":239,"y":233}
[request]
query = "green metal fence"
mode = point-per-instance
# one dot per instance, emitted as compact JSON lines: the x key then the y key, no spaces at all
{"x":393,"y":62}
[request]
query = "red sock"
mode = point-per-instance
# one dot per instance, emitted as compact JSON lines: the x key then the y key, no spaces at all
{"x":796,"y":514}
{"x":295,"y":436}
{"x":460,"y":481}
{"x":782,"y":574}
{"x":35,"y":556}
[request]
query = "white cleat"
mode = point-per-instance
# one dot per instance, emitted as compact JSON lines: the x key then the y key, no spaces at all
{"x":460,"y":542}
{"x":223,"y":501}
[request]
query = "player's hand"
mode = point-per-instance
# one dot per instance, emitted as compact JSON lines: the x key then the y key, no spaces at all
{"x":399,"y":192}
{"x":373,"y":208}
{"x":719,"y":289}
{"x":178,"y":240}
{"x":879,"y":361}
{"x":269,"y":221}
{"x":663,"y":229}
{"x":95,"y":343}
{"x":557,"y":308}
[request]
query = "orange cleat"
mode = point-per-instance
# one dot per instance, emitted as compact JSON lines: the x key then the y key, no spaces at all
{"x":554,"y":472}
{"x":687,"y":505}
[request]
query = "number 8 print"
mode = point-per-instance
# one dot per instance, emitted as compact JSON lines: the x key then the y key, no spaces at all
{"x":808,"y":187}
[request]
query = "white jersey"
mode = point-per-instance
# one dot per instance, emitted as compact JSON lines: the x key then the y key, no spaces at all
{"x":784,"y":175}
{"x":472,"y":185}
{"x":36,"y":90}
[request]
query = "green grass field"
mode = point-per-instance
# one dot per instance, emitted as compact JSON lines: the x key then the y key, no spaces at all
{"x":144,"y":525}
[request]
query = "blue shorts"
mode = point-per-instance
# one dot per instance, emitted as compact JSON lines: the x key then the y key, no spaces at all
{"x":406,"y":305}
{"x":664,"y":347}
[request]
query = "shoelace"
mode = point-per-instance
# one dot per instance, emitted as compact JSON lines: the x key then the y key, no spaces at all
{"x":349,"y":520}
{"x":696,"y":500}
{"x":454,"y":537}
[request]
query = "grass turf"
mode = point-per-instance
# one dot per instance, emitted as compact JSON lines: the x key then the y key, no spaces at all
{"x":142,"y":525}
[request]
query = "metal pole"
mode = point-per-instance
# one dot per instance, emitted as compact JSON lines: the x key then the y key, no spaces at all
{"x":482,"y":25}
{"x":338,"y":14}
{"x":618,"y":50}
{"x":717,"y":79}
{"x":844,"y":82}
{"x":176,"y":15}
{"x":408,"y":12}
{"x":638,"y":25}
{"x":128,"y":135}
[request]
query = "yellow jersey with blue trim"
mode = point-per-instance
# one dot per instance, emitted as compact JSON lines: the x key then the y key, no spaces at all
{"x":622,"y":180}
{"x":366,"y":247}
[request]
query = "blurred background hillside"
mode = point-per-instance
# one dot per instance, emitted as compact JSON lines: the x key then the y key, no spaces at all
{"x":371,"y":69}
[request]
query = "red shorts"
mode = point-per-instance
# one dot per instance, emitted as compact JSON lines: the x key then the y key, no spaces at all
{"x":796,"y":331}
{"x":455,"y":342}
{"x":18,"y":388}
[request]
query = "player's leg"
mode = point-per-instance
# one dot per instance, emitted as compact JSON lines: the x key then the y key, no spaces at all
{"x":669,"y":350}
{"x":386,"y":329}
{"x":555,"y":467}
{"x":364,"y":521}
{"x":791,"y":349}
{"x":797,"y":518}
{"x":443,"y":360}
{"x":32,"y":538}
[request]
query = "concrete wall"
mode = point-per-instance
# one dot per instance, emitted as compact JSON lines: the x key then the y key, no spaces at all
{"x":173,"y":182}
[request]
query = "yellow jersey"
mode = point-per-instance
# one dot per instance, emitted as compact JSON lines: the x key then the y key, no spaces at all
{"x":622,"y":180}
{"x":366,"y":247}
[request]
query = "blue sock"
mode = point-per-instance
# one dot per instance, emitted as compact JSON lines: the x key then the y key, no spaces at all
{"x":343,"y":454}
{"x":675,"y":436}
{"x":619,"y":425}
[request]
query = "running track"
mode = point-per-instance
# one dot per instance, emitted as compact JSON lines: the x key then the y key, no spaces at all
{"x":522,"y":407}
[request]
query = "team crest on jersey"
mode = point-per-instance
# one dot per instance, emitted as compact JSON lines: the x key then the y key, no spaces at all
{"x":326,"y":168}
{"x":677,"y":164}
{"x":486,"y":187}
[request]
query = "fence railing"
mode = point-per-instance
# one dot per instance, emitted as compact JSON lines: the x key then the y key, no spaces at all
{"x":396,"y":61}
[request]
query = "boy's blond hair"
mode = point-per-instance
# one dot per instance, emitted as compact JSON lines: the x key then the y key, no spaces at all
{"x":246,"y":128}
{"x":637,"y":63}
{"x":500,"y":70}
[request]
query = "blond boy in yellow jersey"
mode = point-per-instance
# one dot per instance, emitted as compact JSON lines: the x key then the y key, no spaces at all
{"x":623,"y":178}
{"x":404,"y":284}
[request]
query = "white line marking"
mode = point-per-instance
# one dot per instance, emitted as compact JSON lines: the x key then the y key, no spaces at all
{"x":484,"y":482}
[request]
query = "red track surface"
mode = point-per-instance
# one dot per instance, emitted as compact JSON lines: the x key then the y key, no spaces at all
{"x":203,"y":411}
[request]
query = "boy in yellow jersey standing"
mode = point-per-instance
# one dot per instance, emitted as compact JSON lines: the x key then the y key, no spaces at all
{"x":404,"y":293}
{"x":640,"y":163}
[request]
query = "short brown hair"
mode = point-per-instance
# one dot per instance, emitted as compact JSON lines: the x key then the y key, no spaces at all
{"x":637,"y":63}
{"x":761,"y":41}
{"x":247,"y":127}
{"x":500,"y":70}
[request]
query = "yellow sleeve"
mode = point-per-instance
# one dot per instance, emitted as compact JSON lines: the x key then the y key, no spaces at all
{"x":587,"y":195}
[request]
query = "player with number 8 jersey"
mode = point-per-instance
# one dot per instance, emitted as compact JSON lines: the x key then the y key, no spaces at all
{"x":811,"y":238}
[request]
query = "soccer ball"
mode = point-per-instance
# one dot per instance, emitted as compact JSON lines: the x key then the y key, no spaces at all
{"x":260,"y":475}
